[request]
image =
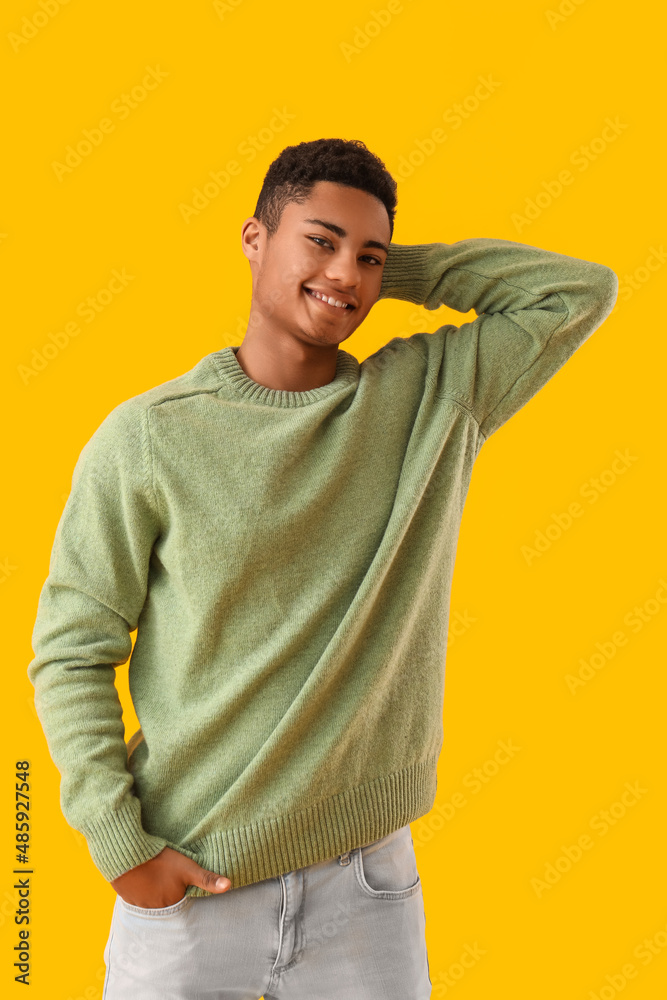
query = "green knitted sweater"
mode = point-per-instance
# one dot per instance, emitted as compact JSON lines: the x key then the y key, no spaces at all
{"x":286,"y":558}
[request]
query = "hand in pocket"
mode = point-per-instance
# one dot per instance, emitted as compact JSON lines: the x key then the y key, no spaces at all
{"x":163,"y":880}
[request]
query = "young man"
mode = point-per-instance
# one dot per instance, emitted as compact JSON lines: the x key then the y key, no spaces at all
{"x":280,"y":525}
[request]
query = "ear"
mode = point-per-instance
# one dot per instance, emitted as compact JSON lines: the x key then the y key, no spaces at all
{"x":253,"y":238}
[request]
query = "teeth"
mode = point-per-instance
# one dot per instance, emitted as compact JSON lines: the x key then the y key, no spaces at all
{"x":330,"y":300}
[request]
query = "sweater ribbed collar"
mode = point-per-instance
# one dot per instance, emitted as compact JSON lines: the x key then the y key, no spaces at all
{"x":226,"y":364}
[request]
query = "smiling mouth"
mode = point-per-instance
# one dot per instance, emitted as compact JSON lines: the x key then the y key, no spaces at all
{"x":341,"y":307}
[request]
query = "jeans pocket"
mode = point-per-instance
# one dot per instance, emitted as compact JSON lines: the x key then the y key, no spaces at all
{"x":387,"y":868}
{"x":156,"y":911}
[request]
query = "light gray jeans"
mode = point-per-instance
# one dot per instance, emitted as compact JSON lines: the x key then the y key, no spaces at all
{"x":348,"y":928}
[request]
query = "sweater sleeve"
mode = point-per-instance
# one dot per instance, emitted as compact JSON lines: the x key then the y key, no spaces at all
{"x":88,"y":606}
{"x":534,"y":309}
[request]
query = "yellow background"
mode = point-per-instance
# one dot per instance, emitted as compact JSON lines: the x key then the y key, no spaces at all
{"x":557,"y":79}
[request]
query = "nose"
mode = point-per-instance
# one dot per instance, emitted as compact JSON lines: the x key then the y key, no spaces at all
{"x":343,"y":268}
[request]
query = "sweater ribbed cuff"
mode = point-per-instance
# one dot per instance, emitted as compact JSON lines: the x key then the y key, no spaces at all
{"x":411,"y":271}
{"x":118,"y":842}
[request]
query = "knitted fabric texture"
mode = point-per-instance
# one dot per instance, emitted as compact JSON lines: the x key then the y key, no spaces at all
{"x":286,"y":559}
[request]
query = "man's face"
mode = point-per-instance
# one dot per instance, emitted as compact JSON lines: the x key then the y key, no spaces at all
{"x":333,"y":244}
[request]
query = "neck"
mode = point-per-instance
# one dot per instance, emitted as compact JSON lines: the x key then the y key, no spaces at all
{"x":277,"y":360}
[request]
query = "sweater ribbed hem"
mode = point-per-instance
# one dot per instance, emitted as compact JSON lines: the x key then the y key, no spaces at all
{"x":227,"y":366}
{"x":330,"y":827}
{"x":118,"y":842}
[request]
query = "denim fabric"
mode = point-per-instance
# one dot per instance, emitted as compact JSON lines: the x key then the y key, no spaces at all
{"x":348,"y":928}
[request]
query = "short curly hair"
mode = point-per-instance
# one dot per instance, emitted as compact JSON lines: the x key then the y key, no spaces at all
{"x":297,"y":169}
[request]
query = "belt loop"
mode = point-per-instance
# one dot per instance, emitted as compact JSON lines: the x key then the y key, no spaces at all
{"x":344,"y":859}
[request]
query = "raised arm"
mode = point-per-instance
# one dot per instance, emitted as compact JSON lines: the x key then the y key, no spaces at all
{"x":88,"y":606}
{"x":534,"y":309}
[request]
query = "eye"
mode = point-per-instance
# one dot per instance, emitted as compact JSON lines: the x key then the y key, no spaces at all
{"x":316,"y":238}
{"x":325,"y":242}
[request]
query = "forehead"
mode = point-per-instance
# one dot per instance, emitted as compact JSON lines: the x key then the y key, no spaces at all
{"x":349,"y":207}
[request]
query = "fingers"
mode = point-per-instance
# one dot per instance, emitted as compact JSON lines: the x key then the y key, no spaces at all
{"x":213,"y":882}
{"x":205,"y":879}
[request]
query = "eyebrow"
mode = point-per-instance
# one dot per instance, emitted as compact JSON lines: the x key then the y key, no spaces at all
{"x":339,"y":231}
